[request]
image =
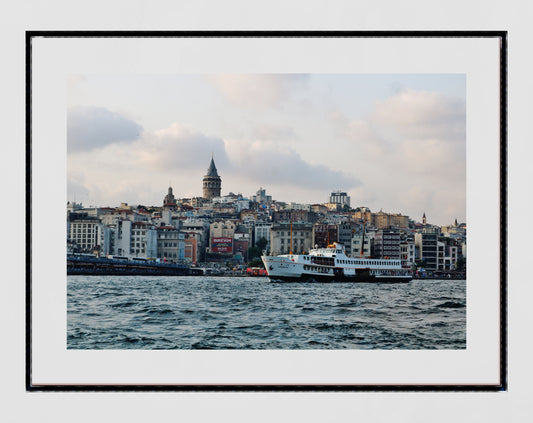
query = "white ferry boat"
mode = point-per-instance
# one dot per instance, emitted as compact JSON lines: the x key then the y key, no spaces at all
{"x":331,"y":264}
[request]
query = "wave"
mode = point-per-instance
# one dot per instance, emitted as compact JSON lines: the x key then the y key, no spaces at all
{"x":452,"y":304}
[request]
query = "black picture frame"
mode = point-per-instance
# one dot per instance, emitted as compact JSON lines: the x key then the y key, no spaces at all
{"x":501,"y":35}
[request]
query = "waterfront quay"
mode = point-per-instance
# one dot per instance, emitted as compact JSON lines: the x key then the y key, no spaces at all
{"x":91,"y":265}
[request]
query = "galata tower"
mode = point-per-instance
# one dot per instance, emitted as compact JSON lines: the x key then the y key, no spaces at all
{"x":212,"y":182}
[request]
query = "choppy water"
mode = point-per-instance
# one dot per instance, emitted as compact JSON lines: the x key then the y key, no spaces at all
{"x":139,"y":312}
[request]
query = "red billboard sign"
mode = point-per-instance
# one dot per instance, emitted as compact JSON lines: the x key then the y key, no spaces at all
{"x":222,"y":245}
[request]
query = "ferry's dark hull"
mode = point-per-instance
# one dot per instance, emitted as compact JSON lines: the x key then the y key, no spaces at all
{"x":332,"y":279}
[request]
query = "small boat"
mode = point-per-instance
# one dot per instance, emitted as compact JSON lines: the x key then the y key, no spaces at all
{"x":331,"y":264}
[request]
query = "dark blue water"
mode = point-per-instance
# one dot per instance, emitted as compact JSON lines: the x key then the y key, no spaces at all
{"x":139,"y":312}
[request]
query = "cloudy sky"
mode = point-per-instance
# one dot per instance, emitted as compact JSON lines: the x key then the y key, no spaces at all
{"x":392,"y":142}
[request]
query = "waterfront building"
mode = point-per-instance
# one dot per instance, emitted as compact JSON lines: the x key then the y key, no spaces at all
{"x":122,"y":241}
{"x":340,"y":198}
{"x":427,"y":244}
{"x":368,"y":246}
{"x":199,"y":227}
{"x":241,"y":242}
{"x":262,"y":230}
{"x":192,"y":251}
{"x":84,"y":231}
{"x":106,"y":241}
{"x":221,"y":236}
{"x":170,"y":244}
{"x":346,"y":233}
{"x":143,"y":240}
{"x":387,"y":244}
{"x":324,"y":234}
{"x":212,"y":183}
{"x":451,"y":254}
{"x":281,"y":234}
{"x":407,"y":252}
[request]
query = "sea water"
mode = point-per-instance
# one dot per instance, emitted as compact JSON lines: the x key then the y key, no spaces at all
{"x":170,"y":312}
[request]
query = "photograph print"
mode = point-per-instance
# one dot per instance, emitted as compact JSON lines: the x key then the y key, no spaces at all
{"x":266,"y":211}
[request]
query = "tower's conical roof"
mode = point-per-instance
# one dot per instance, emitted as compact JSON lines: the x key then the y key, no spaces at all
{"x":212,"y":170}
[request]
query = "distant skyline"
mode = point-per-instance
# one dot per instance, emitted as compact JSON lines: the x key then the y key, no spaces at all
{"x":392,"y":142}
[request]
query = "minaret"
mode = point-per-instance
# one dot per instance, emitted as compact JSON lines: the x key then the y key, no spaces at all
{"x":212,"y":182}
{"x":424,"y":219}
{"x":169,"y":200}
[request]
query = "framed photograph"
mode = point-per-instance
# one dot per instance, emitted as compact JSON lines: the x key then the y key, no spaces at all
{"x":268,"y":211}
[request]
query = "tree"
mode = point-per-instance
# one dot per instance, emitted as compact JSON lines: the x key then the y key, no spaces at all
{"x":256,"y":263}
{"x":261,"y":243}
{"x":461,"y":263}
{"x":254,"y":252}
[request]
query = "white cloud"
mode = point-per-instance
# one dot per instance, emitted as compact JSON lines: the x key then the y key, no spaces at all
{"x":257,"y":90}
{"x":266,"y":132}
{"x":423,"y":114}
{"x":176,"y":147}
{"x":89,"y":128}
{"x":270,"y":163}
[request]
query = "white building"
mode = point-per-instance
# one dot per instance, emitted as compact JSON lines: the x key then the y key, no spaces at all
{"x":407,"y":252}
{"x":281,"y":235}
{"x":170,"y":244}
{"x":368,"y":247}
{"x":122,"y":244}
{"x":143,"y":240}
{"x":262,"y":230}
{"x":84,"y":231}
